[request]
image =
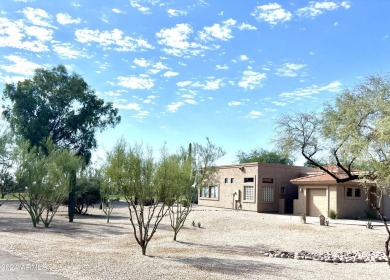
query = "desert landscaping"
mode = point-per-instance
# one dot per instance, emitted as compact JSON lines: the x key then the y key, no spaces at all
{"x":228,"y":245}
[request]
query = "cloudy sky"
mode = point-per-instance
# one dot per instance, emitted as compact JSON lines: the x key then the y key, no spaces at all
{"x":183,"y":70}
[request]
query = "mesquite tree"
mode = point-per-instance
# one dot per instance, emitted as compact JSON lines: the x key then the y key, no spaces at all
{"x":353,"y":132}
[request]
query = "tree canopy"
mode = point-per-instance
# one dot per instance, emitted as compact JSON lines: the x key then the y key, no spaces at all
{"x":58,"y":105}
{"x":353,"y":131}
{"x":262,"y":155}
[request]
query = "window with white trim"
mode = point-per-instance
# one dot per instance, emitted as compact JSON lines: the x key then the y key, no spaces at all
{"x":209,"y":192}
{"x":353,"y":192}
{"x":249,"y":193}
{"x":268,"y":194}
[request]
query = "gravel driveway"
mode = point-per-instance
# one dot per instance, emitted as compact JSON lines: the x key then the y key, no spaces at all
{"x":229,"y":245}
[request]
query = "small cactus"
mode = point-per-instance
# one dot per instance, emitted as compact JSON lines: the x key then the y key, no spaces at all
{"x":199,"y":225}
{"x":193,"y":223}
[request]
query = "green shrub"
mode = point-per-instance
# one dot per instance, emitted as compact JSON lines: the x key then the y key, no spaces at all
{"x":332,"y":214}
{"x":371,"y":214}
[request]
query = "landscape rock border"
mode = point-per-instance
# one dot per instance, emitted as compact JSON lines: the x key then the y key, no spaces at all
{"x":329,"y":257}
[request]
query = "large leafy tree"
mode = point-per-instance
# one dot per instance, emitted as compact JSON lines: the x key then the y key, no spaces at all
{"x":353,"y":132}
{"x":59,"y":105}
{"x":262,"y":155}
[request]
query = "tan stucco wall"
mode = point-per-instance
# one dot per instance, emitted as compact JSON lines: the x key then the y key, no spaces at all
{"x":226,"y":190}
{"x":336,"y":200}
{"x":280,"y":173}
{"x":351,"y":207}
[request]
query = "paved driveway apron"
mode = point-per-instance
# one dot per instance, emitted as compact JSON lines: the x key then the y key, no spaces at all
{"x":14,"y":267}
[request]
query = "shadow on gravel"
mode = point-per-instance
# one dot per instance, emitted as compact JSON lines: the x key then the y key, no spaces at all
{"x":231,"y":266}
{"x":231,"y":251}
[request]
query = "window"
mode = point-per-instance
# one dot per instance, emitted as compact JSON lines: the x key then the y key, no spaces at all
{"x":249,"y":193}
{"x":226,"y":180}
{"x":351,"y":192}
{"x":358,"y":192}
{"x":213,"y":191}
{"x":204,"y":192}
{"x":249,"y":180}
{"x":268,"y":180}
{"x":231,"y":180}
{"x":209,"y":192}
{"x":282,"y":190}
{"x":268,"y":193}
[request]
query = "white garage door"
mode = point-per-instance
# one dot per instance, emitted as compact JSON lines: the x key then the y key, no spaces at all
{"x":317,"y":202}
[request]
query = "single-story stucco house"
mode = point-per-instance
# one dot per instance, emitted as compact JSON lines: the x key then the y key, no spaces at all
{"x":259,"y":187}
{"x":319,"y":194}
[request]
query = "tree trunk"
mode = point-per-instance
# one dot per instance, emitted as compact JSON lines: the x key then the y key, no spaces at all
{"x":174,"y":237}
{"x":71,"y":197}
{"x":144,"y":250}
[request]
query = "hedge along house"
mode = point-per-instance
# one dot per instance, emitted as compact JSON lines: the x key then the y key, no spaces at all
{"x":319,"y":194}
{"x":259,"y":187}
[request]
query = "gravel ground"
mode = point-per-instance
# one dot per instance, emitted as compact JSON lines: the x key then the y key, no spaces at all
{"x":229,"y":245}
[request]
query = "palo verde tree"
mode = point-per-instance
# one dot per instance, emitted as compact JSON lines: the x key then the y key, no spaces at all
{"x":175,"y":176}
{"x":353,"y":132}
{"x":44,"y":176}
{"x":61,"y":106}
{"x":133,"y":171}
{"x":262,"y":155}
{"x":6,"y":159}
{"x":195,"y":168}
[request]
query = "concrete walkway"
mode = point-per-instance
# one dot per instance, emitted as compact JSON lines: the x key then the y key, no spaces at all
{"x":14,"y":267}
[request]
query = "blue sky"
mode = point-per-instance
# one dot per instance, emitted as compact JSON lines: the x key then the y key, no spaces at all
{"x":180,"y":71}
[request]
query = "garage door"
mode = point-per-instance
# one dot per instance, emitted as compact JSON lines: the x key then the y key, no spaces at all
{"x":317,"y":202}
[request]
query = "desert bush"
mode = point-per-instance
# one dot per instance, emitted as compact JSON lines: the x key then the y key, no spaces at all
{"x":332,"y":214}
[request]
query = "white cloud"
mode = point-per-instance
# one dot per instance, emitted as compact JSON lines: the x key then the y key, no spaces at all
{"x":190,"y":101}
{"x":251,"y":80}
{"x":176,"y":41}
{"x":20,"y":66}
{"x":176,"y":13}
{"x":246,"y":26}
{"x":18,"y":35}
{"x":64,"y":19}
{"x":139,"y":7}
{"x":222,"y":32}
{"x":130,"y":106}
{"x":346,"y":4}
{"x":254,"y":114}
{"x":183,"y":83}
{"x":289,"y":69}
{"x":234,"y":103}
{"x":115,"y":38}
{"x":157,"y":67}
{"x":310,"y":91}
{"x":243,"y":57}
{"x":272,"y":13}
{"x":317,"y":8}
{"x":134,"y":82}
{"x":118,"y":11}
{"x":149,"y":99}
{"x":221,"y":67}
{"x":37,"y":17}
{"x":213,"y":85}
{"x":278,"y":103}
{"x":169,"y":74}
{"x":141,"y":62}
{"x":66,"y":51}
{"x":173,"y":107}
